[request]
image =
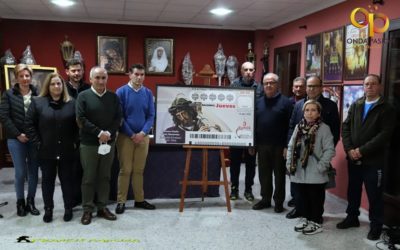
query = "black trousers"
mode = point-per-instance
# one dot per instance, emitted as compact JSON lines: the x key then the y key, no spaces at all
{"x":236,"y":155}
{"x":77,"y":180}
{"x":313,"y":199}
{"x":371,"y":177}
{"x":272,"y":172}
{"x":50,"y":168}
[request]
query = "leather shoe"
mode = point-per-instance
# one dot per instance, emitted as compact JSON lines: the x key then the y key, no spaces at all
{"x":68,"y":214}
{"x":291,"y":203}
{"x":86,"y":218}
{"x":120,"y":209}
{"x":106,"y":214}
{"x":144,"y":205}
{"x":293,"y":214}
{"x":348,"y":222}
{"x":261,"y":205}
{"x":374,"y":233}
{"x":278,"y":208}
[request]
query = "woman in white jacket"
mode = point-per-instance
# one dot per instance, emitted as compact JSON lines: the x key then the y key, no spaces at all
{"x":310,"y":151}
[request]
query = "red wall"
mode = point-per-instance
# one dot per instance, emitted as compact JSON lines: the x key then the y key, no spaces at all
{"x":328,"y":19}
{"x":45,"y":38}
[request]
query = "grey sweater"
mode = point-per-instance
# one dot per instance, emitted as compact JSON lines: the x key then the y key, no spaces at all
{"x":318,"y":162}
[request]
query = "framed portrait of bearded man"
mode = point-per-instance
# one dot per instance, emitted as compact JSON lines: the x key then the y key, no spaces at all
{"x":159,"y":56}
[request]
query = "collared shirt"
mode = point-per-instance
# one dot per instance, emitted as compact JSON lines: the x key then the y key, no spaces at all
{"x":99,"y":95}
{"x":136,"y":90}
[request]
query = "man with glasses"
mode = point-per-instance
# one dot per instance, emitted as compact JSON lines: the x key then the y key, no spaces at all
{"x":246,"y":80}
{"x":273,"y":112}
{"x":329,"y":115}
{"x":366,"y":135}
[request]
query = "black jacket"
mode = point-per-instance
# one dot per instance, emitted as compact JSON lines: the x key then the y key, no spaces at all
{"x":52,"y":127}
{"x":12,"y":113}
{"x":74,"y":92}
{"x":373,"y":134}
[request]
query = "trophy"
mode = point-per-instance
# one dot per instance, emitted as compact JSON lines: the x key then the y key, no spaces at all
{"x":220,"y":60}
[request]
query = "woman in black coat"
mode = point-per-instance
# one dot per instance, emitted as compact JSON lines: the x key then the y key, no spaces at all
{"x":13,"y":107}
{"x":50,"y":123}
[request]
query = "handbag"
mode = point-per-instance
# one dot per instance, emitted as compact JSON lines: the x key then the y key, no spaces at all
{"x":332,"y":177}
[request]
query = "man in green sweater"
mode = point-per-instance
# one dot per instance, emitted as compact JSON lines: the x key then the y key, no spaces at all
{"x":98,"y":113}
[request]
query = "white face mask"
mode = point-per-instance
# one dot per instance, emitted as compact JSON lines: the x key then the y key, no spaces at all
{"x":104,"y":149}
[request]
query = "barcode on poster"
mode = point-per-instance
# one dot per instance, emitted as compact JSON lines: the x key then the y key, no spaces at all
{"x":210,"y":136}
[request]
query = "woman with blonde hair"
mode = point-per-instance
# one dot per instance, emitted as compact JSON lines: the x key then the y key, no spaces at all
{"x":50,"y":123}
{"x":309,"y":153}
{"x":13,"y":107}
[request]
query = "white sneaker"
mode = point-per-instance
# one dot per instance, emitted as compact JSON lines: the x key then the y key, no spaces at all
{"x":312,"y":228}
{"x":303,"y":222}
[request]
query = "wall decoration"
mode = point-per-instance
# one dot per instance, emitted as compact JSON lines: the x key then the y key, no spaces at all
{"x":350,"y":94}
{"x":38,"y":77}
{"x":313,"y":56}
{"x":332,"y":42}
{"x":159,"y":56}
{"x":334,"y":93}
{"x":356,"y":53}
{"x":112,"y":53}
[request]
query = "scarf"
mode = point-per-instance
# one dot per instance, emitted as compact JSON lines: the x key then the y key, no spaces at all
{"x":306,"y":131}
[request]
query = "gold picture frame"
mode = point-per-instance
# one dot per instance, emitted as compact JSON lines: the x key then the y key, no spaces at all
{"x":159,"y":56}
{"x":39,"y":75}
{"x":112,"y":53}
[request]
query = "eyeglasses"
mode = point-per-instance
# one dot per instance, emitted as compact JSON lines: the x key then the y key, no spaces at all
{"x":313,"y":86}
{"x":250,"y":70}
{"x":269,"y":83}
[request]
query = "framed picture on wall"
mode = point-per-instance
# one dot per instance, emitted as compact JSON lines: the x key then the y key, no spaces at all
{"x":356,"y":53}
{"x":333,"y":92}
{"x":350,"y":94}
{"x":313,"y":56}
{"x":39,"y":75}
{"x":112,"y":53}
{"x":332,"y":42}
{"x":159,"y":56}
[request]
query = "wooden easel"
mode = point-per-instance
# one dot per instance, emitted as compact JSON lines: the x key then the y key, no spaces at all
{"x":204,"y":182}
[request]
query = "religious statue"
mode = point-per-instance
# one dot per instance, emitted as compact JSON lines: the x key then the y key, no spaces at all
{"x":231,"y":68}
{"x":265,"y":58}
{"x":27,"y":56}
{"x":220,"y":60}
{"x":187,"y":70}
{"x":8,"y":58}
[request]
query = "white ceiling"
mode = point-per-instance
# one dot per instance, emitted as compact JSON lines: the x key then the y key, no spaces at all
{"x":247,"y":15}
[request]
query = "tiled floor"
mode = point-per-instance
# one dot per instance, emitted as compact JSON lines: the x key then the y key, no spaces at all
{"x":202,"y":225}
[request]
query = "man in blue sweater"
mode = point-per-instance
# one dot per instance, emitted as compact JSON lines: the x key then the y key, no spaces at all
{"x":133,"y":140}
{"x":273,"y":112}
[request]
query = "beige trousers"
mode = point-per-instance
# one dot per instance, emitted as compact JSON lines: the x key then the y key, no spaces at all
{"x":132,"y":160}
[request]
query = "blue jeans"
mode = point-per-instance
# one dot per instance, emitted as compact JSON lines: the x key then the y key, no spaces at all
{"x":24,"y":157}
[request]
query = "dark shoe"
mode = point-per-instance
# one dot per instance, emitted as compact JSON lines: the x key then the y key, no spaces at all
{"x":86,"y":218}
{"x":68,"y":214}
{"x":120,"y":209}
{"x":347,"y":223}
{"x":249,"y":196}
{"x":21,"y":207}
{"x":234,"y":194}
{"x":106,"y":214}
{"x":30,"y":206}
{"x":144,"y":205}
{"x":293,"y":214}
{"x":374,"y":233}
{"x":291,"y":203}
{"x":261,"y":205}
{"x":278,"y":208}
{"x":48,"y":215}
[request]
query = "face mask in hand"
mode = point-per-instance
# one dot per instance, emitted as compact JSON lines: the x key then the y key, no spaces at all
{"x":104,"y":149}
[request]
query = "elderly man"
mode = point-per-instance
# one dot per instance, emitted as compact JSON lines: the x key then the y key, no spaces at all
{"x":273,"y":112}
{"x":98,"y":113}
{"x":329,"y":115}
{"x":246,"y":80}
{"x":366,"y":133}
{"x":133,"y":141}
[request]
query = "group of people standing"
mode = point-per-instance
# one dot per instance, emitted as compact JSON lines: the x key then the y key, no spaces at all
{"x":298,"y":136}
{"x":71,"y":129}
